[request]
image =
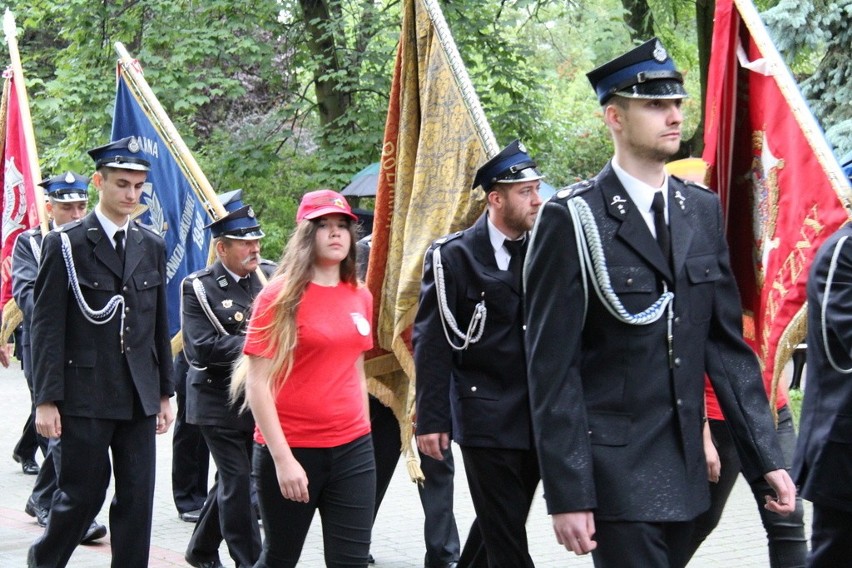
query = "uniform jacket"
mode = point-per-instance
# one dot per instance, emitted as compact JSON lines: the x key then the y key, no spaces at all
{"x":479,"y":394}
{"x":211,"y":354}
{"x":24,"y":271}
{"x":823,"y":461}
{"x":618,"y":431}
{"x":80,"y":365}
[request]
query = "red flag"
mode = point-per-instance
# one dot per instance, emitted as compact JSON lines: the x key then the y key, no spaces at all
{"x":18,"y":204}
{"x":778,"y":180}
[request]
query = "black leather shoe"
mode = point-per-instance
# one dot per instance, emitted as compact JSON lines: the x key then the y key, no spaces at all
{"x":28,"y":465}
{"x":32,"y":509}
{"x":94,"y":532}
{"x":193,"y":561}
{"x":190,"y":516}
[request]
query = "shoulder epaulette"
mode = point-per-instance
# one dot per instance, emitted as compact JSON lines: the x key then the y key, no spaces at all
{"x":148,"y":228}
{"x":68,"y":226}
{"x":693,"y":183}
{"x":446,"y":238}
{"x":199,"y":273}
{"x":575,"y":189}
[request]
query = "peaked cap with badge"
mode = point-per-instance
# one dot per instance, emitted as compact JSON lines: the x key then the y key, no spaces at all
{"x":68,"y":187}
{"x":644,"y":72}
{"x":240,"y":223}
{"x":511,"y":165}
{"x":124,"y":154}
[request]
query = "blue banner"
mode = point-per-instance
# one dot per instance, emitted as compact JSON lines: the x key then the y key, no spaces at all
{"x":170,"y":206}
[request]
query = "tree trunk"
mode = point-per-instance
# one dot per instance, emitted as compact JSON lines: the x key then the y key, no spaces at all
{"x":319,"y":20}
{"x":639,"y":19}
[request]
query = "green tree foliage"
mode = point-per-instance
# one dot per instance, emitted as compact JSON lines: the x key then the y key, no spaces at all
{"x":815,"y":37}
{"x":284,"y":96}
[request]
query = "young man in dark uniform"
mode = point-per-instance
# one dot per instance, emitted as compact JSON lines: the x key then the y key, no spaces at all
{"x":216,"y":305}
{"x":104,"y":387}
{"x":630,"y":301}
{"x":469,"y":356}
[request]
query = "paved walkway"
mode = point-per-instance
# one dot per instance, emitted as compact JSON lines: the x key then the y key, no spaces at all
{"x":397,"y":537}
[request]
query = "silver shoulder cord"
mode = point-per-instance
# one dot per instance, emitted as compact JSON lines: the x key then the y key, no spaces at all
{"x":477,"y":323}
{"x":97,"y":317}
{"x":828,"y":280}
{"x":36,"y":248}
{"x":201,"y":294}
{"x":593,"y":259}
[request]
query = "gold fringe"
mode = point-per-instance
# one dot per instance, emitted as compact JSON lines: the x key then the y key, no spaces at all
{"x":795,"y":333}
{"x":12,"y":318}
{"x":177,"y":344}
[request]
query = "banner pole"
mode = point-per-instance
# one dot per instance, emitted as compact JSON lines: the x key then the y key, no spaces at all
{"x":11,"y":33}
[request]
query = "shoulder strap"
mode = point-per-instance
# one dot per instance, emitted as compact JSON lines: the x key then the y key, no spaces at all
{"x":201,"y":294}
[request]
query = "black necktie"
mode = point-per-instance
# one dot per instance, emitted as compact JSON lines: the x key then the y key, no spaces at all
{"x":119,"y":244}
{"x":245,"y":282}
{"x":658,"y":206}
{"x":516,"y":262}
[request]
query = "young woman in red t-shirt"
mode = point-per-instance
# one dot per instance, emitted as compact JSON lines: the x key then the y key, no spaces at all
{"x":305,"y":384}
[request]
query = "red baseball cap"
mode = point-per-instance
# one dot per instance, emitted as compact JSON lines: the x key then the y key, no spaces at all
{"x":323,"y":202}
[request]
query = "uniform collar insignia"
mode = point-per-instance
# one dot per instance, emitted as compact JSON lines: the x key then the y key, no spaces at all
{"x":680,"y":199}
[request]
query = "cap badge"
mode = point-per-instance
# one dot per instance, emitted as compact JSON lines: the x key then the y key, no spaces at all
{"x":69,"y":178}
{"x":250,"y":212}
{"x":238,"y":316}
{"x":522,"y":148}
{"x":361,"y":323}
{"x":338,"y":202}
{"x":133,"y":145}
{"x":227,"y":303}
{"x":660,"y":52}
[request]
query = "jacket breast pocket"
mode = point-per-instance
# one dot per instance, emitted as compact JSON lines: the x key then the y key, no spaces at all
{"x":98,"y":282}
{"x":635,"y":286}
{"x":500,"y":302}
{"x":146,"y":284}
{"x":703,"y":272}
{"x":609,"y":428}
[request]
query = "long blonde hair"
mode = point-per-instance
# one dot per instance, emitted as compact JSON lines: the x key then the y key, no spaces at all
{"x":296,"y":270}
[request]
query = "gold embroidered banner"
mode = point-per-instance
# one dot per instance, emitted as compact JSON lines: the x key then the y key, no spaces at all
{"x":430,"y":154}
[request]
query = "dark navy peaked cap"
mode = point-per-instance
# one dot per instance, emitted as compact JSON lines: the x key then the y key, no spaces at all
{"x":240,"y":222}
{"x":511,"y":165}
{"x":67,"y":187}
{"x":644,"y":72}
{"x":124,"y":154}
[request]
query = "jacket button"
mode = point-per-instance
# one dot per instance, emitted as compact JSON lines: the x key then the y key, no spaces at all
{"x":680,"y":402}
{"x":677,"y":320}
{"x":630,"y":282}
{"x":524,"y":327}
{"x":95,"y":284}
{"x":144,"y":282}
{"x":70,"y":361}
{"x":677,"y":362}
{"x":209,"y":381}
{"x":472,"y":389}
{"x":126,"y":310}
{"x":706,"y":272}
{"x":124,"y":288}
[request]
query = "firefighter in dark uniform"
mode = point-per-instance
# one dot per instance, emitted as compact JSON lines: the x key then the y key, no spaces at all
{"x":470,"y":362}
{"x":216,"y":306}
{"x":103,"y":385}
{"x":630,"y":300}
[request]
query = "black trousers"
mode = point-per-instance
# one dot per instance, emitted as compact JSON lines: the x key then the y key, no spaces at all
{"x":785,"y":535}
{"x":228,"y":512}
{"x":831,"y":539}
{"x":341,"y":485}
{"x":502,"y":484}
{"x":190,"y":456}
{"x":83,"y":481}
{"x":641,"y":545}
{"x":45,"y":483}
